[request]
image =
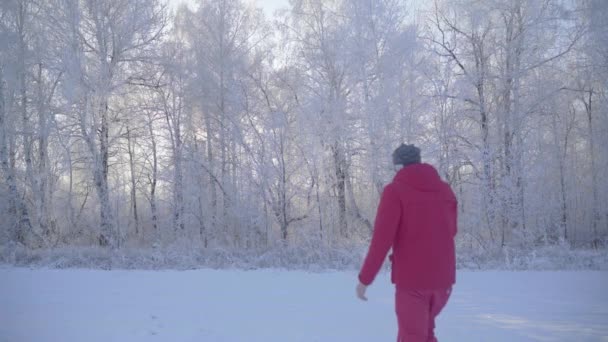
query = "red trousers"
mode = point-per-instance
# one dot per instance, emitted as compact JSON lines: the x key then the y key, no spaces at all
{"x":416,"y":312}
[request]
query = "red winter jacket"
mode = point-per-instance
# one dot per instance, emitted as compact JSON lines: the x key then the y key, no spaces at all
{"x":417,"y":218}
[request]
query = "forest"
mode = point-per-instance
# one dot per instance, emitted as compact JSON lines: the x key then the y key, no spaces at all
{"x":135,"y":125}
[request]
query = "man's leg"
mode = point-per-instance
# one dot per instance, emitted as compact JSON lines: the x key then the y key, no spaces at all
{"x":413,"y":315}
{"x":438,"y":301}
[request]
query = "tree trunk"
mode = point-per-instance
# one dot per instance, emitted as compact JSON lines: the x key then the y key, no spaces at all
{"x":178,"y":213}
{"x":210,"y":158}
{"x":595,"y":219}
{"x":72,"y":216}
{"x":488,"y":187}
{"x":154,"y":179}
{"x":107,"y":236}
{"x":18,"y":218}
{"x":130,"y":150}
{"x":32,"y":236}
{"x":223,"y":166}
{"x":340,"y":173}
{"x":42,"y":172}
{"x":203,"y":231}
{"x":282,"y":189}
{"x":513,"y":214}
{"x":561,"y":156}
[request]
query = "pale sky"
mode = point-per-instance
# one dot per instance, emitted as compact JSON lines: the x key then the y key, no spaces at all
{"x":269,"y":6}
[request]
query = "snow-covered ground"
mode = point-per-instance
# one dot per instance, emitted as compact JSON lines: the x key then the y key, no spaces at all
{"x":275,"y":305}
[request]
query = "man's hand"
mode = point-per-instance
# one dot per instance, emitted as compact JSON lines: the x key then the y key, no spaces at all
{"x":361,"y":291}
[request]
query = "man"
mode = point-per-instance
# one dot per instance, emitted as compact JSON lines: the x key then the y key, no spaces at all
{"x":417,"y":218}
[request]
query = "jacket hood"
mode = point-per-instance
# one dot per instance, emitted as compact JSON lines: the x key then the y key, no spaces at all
{"x":421,"y":176}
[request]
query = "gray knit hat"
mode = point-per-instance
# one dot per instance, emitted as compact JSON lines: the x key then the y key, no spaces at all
{"x":406,"y":154}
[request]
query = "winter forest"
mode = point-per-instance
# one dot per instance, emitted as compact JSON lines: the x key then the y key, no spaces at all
{"x":212,"y":126}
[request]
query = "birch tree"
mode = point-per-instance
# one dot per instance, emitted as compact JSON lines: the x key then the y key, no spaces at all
{"x":111,"y":37}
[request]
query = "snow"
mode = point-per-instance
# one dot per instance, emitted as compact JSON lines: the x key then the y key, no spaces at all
{"x":279,"y":305}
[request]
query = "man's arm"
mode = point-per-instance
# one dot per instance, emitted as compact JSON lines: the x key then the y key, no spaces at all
{"x":385,"y":229}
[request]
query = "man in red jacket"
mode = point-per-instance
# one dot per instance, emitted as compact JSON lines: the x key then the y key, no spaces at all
{"x":417,"y":218}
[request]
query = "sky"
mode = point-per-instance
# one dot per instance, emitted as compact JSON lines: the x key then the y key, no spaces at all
{"x":269,"y":6}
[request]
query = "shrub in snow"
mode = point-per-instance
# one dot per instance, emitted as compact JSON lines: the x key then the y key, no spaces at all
{"x":319,"y":258}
